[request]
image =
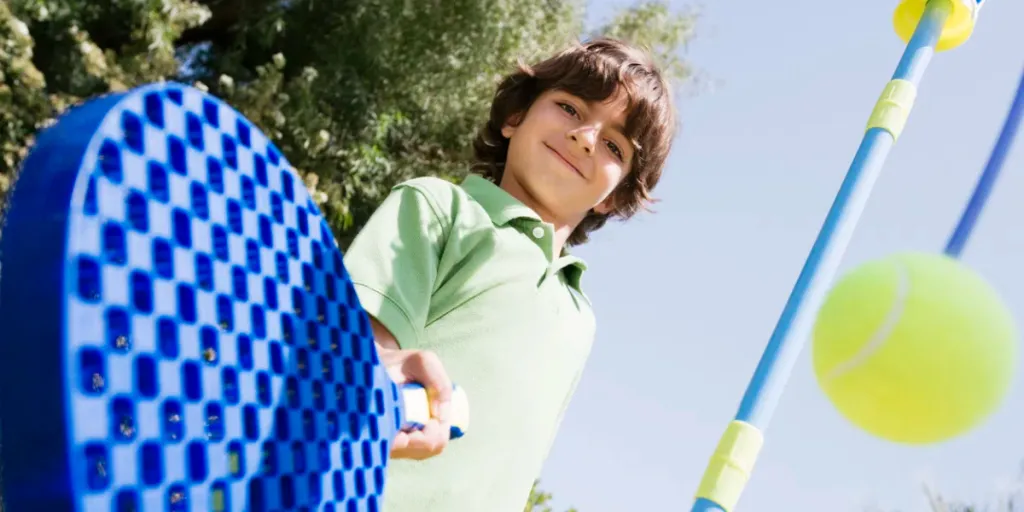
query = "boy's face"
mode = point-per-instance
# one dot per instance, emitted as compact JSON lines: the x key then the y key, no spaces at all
{"x":568,"y":155}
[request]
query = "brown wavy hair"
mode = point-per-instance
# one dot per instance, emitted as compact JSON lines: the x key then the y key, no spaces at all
{"x":593,"y":71}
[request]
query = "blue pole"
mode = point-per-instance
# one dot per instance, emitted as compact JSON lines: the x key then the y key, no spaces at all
{"x":988,"y":177}
{"x":733,"y":460}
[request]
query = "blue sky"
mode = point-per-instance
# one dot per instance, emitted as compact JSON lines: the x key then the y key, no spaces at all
{"x":687,"y":297}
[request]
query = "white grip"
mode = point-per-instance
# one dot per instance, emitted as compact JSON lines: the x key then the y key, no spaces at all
{"x":417,"y":409}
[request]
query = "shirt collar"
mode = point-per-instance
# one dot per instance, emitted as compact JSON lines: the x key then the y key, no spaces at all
{"x":499,"y":205}
{"x":503,"y":209}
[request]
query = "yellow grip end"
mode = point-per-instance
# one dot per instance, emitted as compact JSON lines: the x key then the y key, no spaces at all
{"x":731,"y":465}
{"x":962,"y":15}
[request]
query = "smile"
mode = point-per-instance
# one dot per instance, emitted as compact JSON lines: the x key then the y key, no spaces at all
{"x":565,"y":160}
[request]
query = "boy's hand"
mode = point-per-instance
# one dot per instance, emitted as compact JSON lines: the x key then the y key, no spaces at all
{"x":423,"y":368}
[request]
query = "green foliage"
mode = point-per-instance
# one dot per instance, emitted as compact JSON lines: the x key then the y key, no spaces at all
{"x":1011,"y":501}
{"x":49,"y":59}
{"x":539,"y":501}
{"x":655,"y":27}
{"x":358,"y":94}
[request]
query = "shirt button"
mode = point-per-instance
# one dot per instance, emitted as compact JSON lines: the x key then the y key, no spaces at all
{"x":538,"y":232}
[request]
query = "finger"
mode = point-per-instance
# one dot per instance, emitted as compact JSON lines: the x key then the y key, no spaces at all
{"x":434,"y":438}
{"x":393,"y":361}
{"x":396,"y":374}
{"x":426,"y":369}
{"x":420,"y":446}
{"x":415,"y":440}
{"x":401,"y":442}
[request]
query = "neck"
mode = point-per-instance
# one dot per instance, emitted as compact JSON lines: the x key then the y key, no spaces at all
{"x":563,"y":227}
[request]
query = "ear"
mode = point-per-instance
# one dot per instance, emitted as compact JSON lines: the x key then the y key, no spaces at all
{"x":510,"y":126}
{"x":607,"y":206}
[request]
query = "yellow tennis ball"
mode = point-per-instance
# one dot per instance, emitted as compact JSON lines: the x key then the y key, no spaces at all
{"x":914,"y":348}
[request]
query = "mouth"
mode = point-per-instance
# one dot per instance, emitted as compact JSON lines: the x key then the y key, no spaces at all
{"x":565,"y":161}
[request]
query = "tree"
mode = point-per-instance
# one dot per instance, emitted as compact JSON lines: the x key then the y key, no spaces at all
{"x":358,"y":94}
{"x":538,"y":501}
{"x":1010,"y":499}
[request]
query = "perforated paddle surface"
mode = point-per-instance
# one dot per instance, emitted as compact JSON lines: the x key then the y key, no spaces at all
{"x":177,"y":329}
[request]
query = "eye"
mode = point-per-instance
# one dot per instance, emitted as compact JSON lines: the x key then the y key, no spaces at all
{"x":571,"y":110}
{"x":614,"y":148}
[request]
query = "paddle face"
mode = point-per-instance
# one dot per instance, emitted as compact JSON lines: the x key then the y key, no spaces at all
{"x":177,"y":329}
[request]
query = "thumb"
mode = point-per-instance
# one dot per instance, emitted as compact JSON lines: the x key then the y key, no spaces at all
{"x":425,"y":368}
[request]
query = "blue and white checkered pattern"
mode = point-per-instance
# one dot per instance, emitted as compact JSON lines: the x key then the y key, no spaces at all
{"x":210,"y":352}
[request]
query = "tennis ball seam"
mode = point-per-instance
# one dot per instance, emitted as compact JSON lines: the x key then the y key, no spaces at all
{"x":884,"y":330}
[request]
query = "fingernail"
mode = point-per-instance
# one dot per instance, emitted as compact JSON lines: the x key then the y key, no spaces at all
{"x":444,"y":412}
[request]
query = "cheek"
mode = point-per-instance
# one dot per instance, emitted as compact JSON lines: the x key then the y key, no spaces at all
{"x":609,"y":175}
{"x":517,"y":144}
{"x":551,"y":116}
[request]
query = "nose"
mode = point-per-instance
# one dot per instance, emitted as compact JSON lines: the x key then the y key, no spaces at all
{"x":585,"y":138}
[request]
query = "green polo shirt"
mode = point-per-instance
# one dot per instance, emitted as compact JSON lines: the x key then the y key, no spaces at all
{"x":470,"y":273}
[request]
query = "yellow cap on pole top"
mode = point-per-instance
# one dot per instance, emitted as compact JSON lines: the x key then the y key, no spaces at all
{"x":958,"y":27}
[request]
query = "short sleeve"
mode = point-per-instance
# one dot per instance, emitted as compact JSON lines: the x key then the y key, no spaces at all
{"x":393,"y":262}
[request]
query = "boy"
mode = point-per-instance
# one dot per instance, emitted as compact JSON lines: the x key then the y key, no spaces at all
{"x":477,"y":276}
